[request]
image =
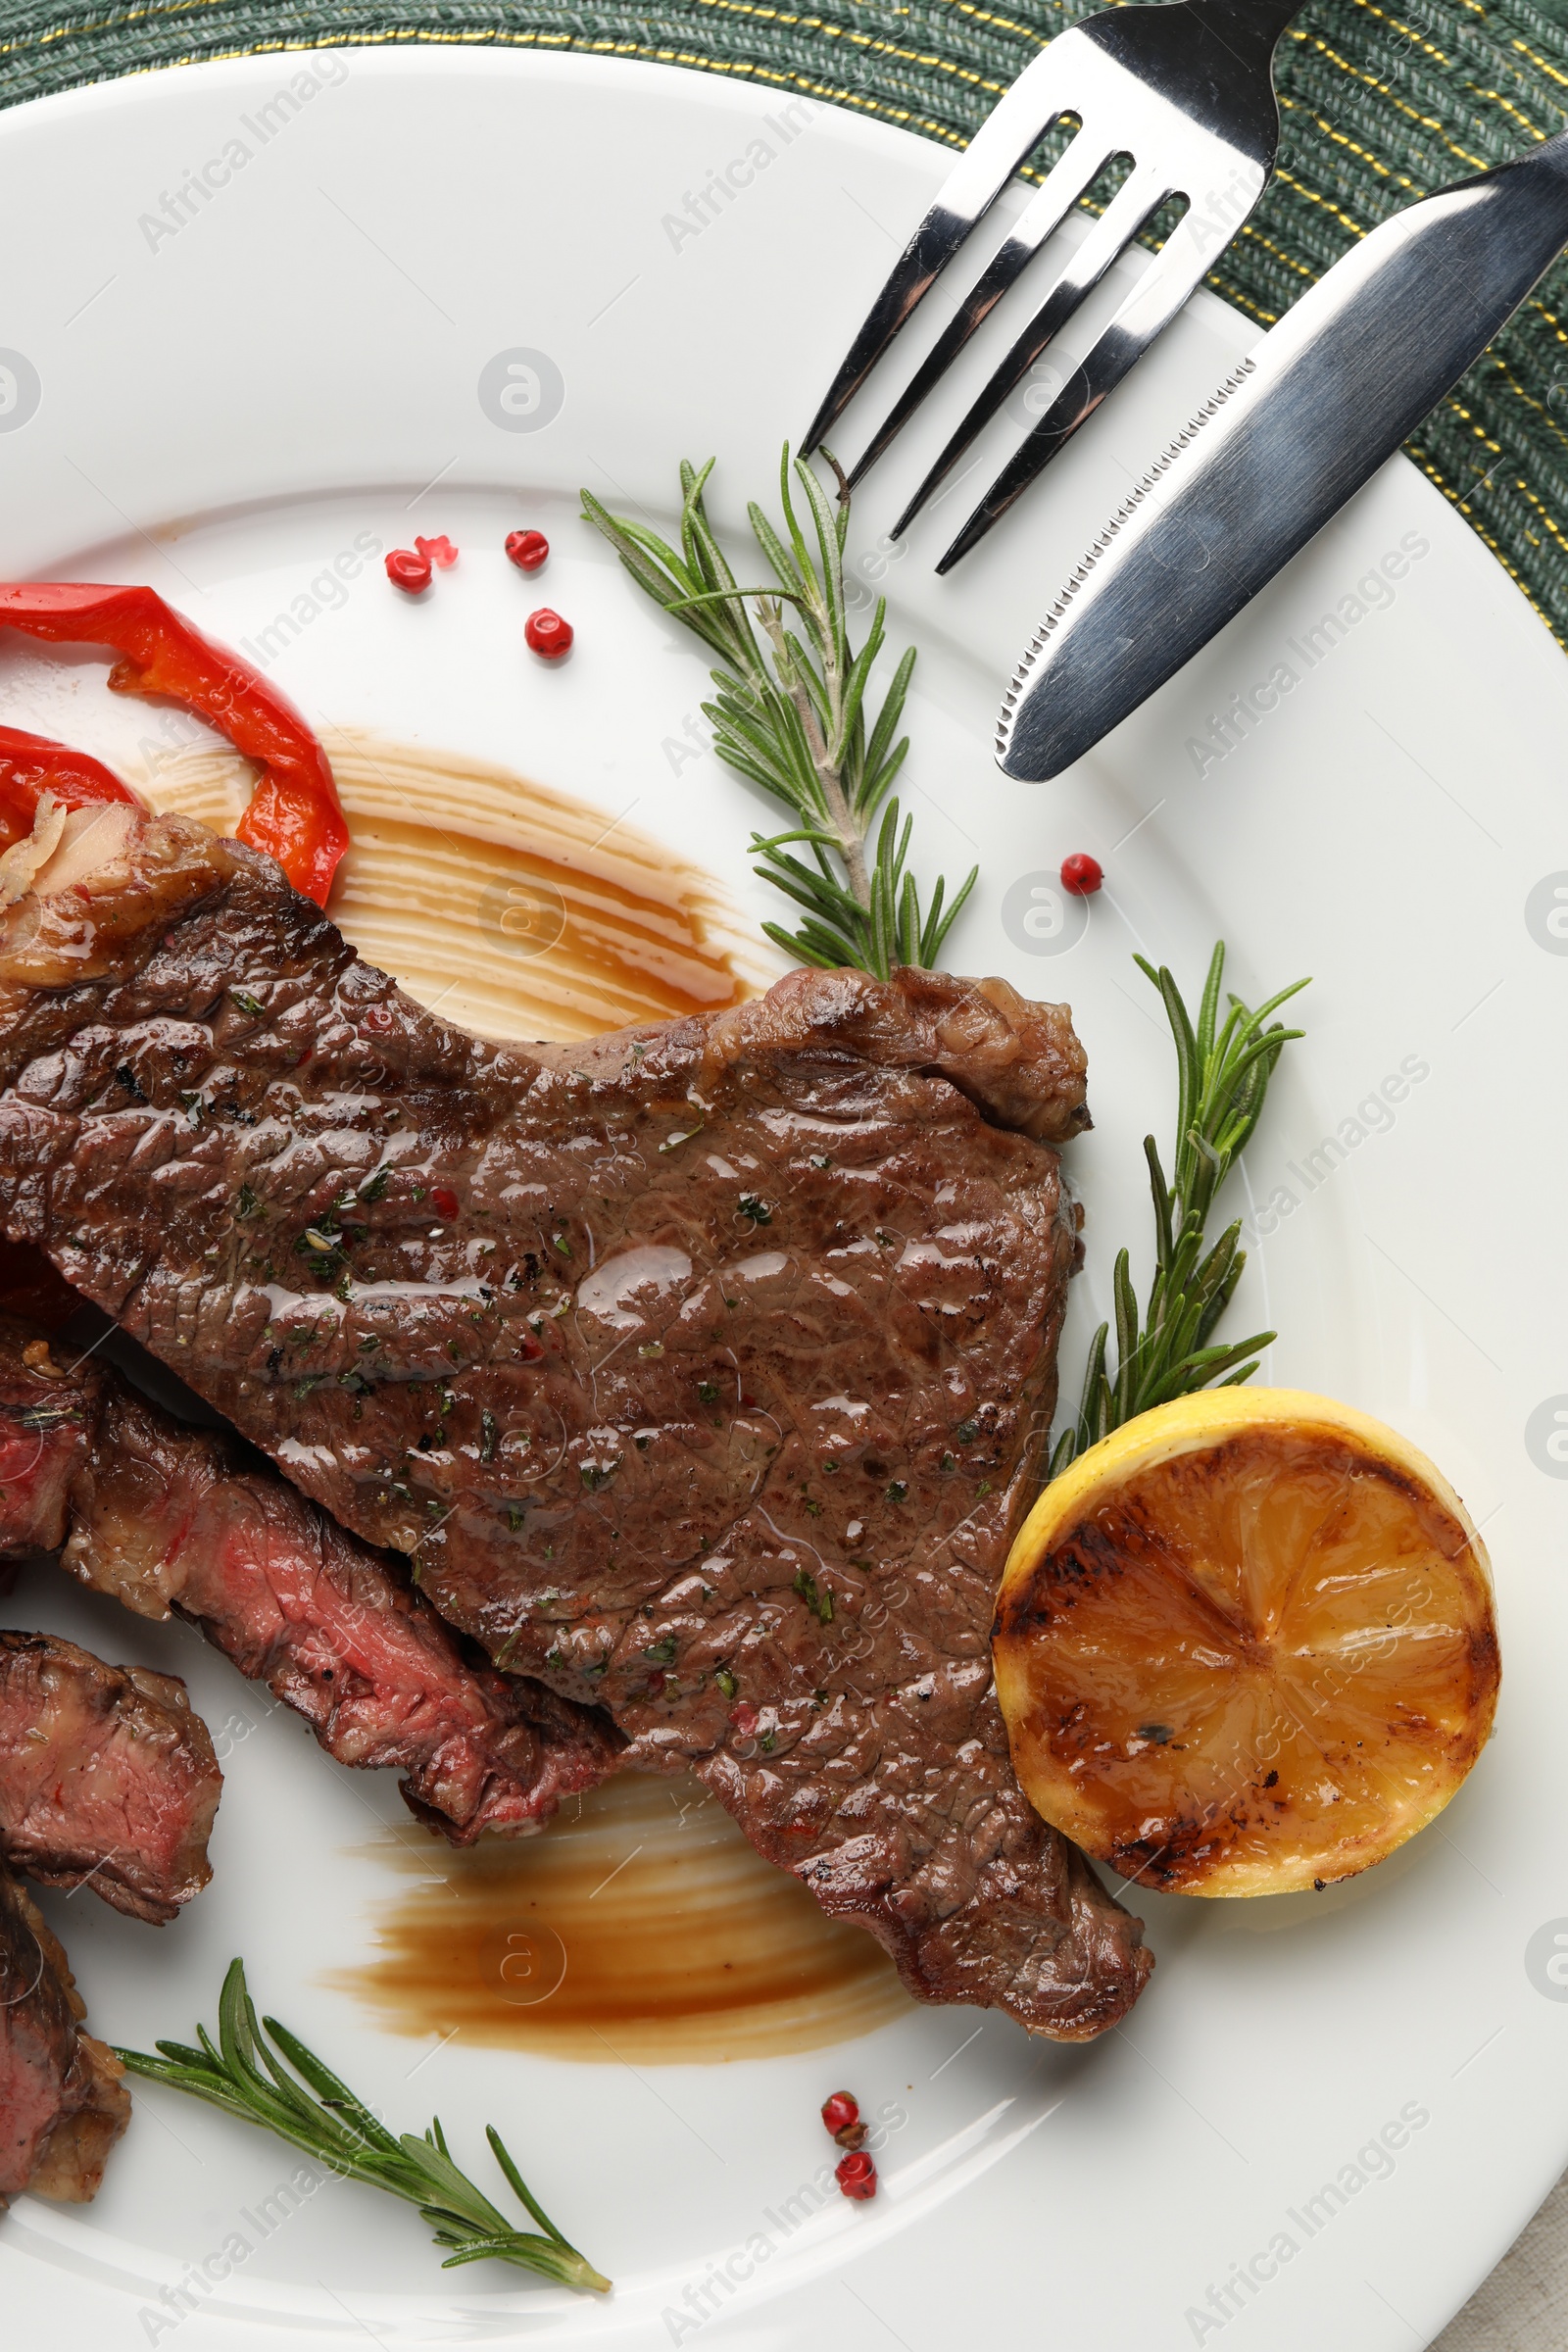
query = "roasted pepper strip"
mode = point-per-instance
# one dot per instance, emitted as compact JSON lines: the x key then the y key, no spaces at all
{"x":294,"y":814}
{"x":32,"y":765}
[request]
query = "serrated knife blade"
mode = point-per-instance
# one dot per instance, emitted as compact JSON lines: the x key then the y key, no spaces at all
{"x":1300,"y":426}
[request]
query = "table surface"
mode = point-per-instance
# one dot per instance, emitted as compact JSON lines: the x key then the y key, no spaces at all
{"x":1522,"y":2307}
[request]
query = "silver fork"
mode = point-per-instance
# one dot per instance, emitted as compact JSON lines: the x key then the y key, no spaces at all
{"x":1185,"y":89}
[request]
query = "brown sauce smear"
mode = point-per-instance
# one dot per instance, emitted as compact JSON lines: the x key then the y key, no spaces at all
{"x":642,"y":1929}
{"x":512,"y":909}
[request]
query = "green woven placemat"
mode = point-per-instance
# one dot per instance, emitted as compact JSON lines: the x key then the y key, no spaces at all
{"x":1380,"y":104}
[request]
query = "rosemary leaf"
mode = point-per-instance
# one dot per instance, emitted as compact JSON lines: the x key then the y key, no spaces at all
{"x":1223,"y":1070}
{"x":792,"y":715}
{"x":245,"y":2078}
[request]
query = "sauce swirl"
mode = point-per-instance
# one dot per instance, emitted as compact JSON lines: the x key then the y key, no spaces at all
{"x":640,"y":1928}
{"x":512,"y":908}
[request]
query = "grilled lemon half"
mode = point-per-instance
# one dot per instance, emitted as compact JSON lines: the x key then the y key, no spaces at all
{"x":1245,"y":1644}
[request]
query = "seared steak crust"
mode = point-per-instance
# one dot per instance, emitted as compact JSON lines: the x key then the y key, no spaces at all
{"x":106,"y":1777}
{"x":701,"y":1372}
{"x":166,"y":1518}
{"x":63,"y":2102}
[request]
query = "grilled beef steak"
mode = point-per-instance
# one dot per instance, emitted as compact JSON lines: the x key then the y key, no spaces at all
{"x":164,"y":1517}
{"x":43,"y":1444}
{"x":63,"y":2103}
{"x":702,"y":1371}
{"x":107,"y":1777}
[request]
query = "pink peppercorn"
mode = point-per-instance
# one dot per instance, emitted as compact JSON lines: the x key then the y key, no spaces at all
{"x":1081,"y":875}
{"x":842,"y":2115}
{"x":407,"y":570}
{"x":548,"y":634}
{"x":527,"y":548}
{"x":856,"y":2176}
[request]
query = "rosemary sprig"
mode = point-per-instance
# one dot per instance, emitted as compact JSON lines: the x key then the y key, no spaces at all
{"x":341,"y":2134}
{"x":1222,"y":1078}
{"x":790,"y":713}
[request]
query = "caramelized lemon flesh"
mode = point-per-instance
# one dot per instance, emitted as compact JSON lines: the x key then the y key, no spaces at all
{"x":1245,"y":1645}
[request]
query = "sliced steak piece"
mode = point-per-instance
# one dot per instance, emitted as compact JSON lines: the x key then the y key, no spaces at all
{"x":107,"y":1777}
{"x":171,"y":1518}
{"x":63,"y":2102}
{"x":167,"y":1518}
{"x":703,"y":1371}
{"x":46,"y":1428}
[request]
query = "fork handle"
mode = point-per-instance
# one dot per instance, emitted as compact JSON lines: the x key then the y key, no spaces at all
{"x":1248,"y":25}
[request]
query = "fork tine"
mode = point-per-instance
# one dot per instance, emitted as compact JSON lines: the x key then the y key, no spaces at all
{"x":1011,"y":130}
{"x":1073,"y":406}
{"x":1130,"y":208}
{"x":1185,"y":258}
{"x":1041,"y":218}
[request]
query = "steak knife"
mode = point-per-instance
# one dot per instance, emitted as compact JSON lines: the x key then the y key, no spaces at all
{"x":1304,"y":420}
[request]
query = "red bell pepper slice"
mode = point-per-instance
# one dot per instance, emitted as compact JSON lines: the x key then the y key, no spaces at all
{"x":294,"y":814}
{"x":32,"y":765}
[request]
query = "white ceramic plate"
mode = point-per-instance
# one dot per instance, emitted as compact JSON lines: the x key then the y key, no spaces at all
{"x":313,"y":355}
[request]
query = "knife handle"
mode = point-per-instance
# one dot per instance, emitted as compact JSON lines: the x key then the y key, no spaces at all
{"x":1524,"y":206}
{"x":1550,"y":162}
